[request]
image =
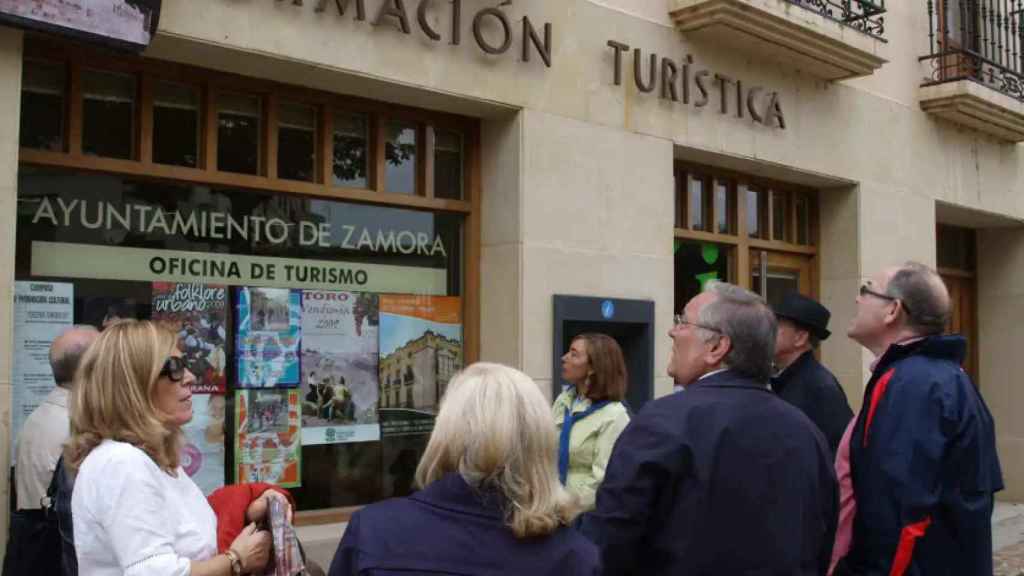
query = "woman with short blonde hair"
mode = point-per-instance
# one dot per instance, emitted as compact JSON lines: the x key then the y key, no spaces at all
{"x":490,"y":498}
{"x":135,"y":511}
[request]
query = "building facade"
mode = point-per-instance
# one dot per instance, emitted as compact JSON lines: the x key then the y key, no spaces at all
{"x":508,"y":152}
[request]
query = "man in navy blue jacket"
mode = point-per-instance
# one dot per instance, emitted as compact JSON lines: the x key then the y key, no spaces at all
{"x":724,"y":477}
{"x":922,"y":452}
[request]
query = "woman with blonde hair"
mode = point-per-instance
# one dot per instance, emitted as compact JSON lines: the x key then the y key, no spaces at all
{"x":589,"y":415}
{"x":135,"y":511}
{"x":491,"y":501}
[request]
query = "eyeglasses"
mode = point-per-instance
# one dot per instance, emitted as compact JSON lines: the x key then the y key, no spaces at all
{"x":174,"y":369}
{"x":681,"y":320}
{"x":866,"y":290}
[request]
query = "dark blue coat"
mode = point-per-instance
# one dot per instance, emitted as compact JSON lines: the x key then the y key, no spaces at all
{"x":450,"y":529}
{"x":721,"y":479}
{"x":810,"y":387}
{"x":924,"y":466}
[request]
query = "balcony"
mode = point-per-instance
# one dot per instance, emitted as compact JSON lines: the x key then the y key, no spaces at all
{"x":830,"y":39}
{"x":975,"y":65}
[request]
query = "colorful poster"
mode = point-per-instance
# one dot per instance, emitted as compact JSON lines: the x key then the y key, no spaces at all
{"x":269,"y":331}
{"x":198,"y":314}
{"x":202,"y":456}
{"x":268,"y":439}
{"x":339,"y":367}
{"x":42,"y":310}
{"x":420,"y":351}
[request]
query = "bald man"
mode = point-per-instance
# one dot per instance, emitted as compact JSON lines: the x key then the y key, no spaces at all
{"x":48,"y":427}
{"x":922,"y":452}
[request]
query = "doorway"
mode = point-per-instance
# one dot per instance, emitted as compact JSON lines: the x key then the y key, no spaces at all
{"x":956,"y":258}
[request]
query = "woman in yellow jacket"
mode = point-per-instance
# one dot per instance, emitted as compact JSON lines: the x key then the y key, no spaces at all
{"x":589,"y":414}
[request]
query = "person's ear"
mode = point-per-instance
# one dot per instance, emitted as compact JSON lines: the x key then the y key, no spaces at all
{"x":718,"y":351}
{"x":801,"y":338}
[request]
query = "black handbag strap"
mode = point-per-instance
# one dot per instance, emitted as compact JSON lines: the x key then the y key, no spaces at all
{"x":51,"y":490}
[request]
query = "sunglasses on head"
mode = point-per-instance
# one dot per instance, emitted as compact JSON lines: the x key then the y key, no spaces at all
{"x":174,"y":369}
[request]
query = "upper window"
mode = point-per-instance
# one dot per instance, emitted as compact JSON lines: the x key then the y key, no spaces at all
{"x":42,"y":105}
{"x":108,"y":114}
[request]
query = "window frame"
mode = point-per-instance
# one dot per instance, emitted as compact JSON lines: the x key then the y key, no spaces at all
{"x":739,"y":240}
{"x":210,"y":83}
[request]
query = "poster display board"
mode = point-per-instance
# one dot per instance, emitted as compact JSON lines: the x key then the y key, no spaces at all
{"x":197,"y":313}
{"x":42,"y":310}
{"x":340,"y":348}
{"x":420,"y":351}
{"x":268,"y":437}
{"x":269,"y":331}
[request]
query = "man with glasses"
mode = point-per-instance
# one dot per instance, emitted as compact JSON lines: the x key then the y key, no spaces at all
{"x":725,"y":478}
{"x":922,"y":450}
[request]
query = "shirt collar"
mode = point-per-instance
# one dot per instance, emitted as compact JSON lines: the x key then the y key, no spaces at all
{"x":901,"y":343}
{"x":451,"y":492}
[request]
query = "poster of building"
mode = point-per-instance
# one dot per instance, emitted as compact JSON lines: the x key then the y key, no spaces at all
{"x":268,"y":437}
{"x":339,"y":367}
{"x":198,"y":314}
{"x":420,"y":351}
{"x":269,"y":331}
{"x":202,"y":455}
{"x":42,"y":310}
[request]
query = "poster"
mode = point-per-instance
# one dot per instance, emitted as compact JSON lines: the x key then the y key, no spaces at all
{"x":339,"y":367}
{"x":420,"y":351}
{"x":269,"y":331}
{"x":122,"y":23}
{"x":198,"y":314}
{"x":202,"y":455}
{"x":268,"y":438}
{"x":42,"y":311}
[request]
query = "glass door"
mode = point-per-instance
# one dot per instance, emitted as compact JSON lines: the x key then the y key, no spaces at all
{"x":773,"y":275}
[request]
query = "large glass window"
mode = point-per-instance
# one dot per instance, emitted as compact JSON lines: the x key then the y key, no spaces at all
{"x":42,"y":105}
{"x":696,"y":263}
{"x":754,"y":232}
{"x":129,"y":244}
{"x":108,"y":114}
{"x":176,"y":123}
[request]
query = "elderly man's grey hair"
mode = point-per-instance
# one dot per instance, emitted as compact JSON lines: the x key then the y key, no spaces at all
{"x":748,"y":322}
{"x":924,"y":296}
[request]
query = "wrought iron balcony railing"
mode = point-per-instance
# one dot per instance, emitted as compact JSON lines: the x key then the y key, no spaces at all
{"x":868,"y":16}
{"x":978,"y":40}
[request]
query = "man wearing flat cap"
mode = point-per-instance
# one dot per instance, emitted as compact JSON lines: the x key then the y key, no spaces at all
{"x":800,"y":379}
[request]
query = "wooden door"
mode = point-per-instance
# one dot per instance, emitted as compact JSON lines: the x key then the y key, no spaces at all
{"x":963,"y":317}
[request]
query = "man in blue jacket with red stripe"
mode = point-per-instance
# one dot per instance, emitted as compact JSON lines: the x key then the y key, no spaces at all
{"x":922,"y":452}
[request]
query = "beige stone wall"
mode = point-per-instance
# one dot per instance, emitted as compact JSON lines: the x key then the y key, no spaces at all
{"x":868,"y":131}
{"x":596,"y":203}
{"x":10,"y":106}
{"x":1001,"y":335}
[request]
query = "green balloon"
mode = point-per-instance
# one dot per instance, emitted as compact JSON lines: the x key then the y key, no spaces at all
{"x":709,"y":252}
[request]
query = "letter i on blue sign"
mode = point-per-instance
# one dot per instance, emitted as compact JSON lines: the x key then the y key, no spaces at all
{"x":607,"y":309}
